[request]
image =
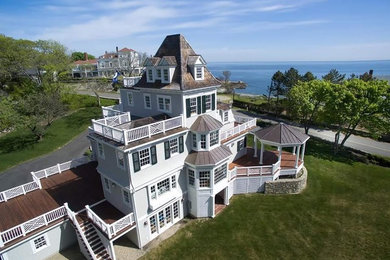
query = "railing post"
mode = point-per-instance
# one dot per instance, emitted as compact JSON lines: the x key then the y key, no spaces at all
{"x":4,"y":196}
{"x":125,"y":136}
{"x":128,"y":116}
{"x":44,"y":171}
{"x":24,"y":191}
{"x":59,"y":168}
{"x":23,"y":231}
{"x":1,"y":241}
{"x":149,"y":133}
{"x":163,"y":123}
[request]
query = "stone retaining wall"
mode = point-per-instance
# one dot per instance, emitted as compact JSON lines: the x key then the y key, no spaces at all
{"x":287,"y":186}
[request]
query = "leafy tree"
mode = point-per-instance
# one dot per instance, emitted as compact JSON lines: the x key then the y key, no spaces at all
{"x":358,"y":103}
{"x":277,"y":86}
{"x":334,"y":77}
{"x":77,"y":55}
{"x":291,"y":77}
{"x":306,"y":101}
{"x":367,"y":76}
{"x":308,"y":76}
{"x":226,"y":75}
{"x":8,"y":114}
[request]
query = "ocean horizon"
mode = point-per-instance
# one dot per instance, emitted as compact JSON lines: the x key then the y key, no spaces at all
{"x":258,"y":74}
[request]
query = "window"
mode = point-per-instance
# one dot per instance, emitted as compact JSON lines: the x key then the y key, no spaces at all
{"x":176,"y":209}
{"x":144,"y":157}
{"x":194,"y":141}
{"x":193,"y":105}
{"x":203,"y":141}
{"x":214,"y":138}
{"x":240,"y":145}
{"x":110,"y":64}
{"x":102,"y":65}
{"x":153,"y":224}
{"x":159,"y":74}
{"x":173,"y":144}
{"x":107,"y":184}
{"x":191,"y":177}
{"x":153,"y":192}
{"x":208,"y":102}
{"x":166,"y":76}
{"x":199,"y":73}
{"x":219,"y":174}
{"x":126,"y":196}
{"x":147,"y":101}
{"x":204,"y":179}
{"x":130,"y":100}
{"x":150,"y":75}
{"x":163,"y":187}
{"x":101,"y":150}
{"x":226,"y":116}
{"x":164,"y":104}
{"x":168,"y":214}
{"x":161,"y":219}
{"x":40,"y":243}
{"x":120,"y":159}
{"x":173,"y":182}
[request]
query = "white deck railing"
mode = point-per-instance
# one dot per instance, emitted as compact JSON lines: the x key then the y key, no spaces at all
{"x":110,"y":229}
{"x":249,"y":123}
{"x":114,"y":110}
{"x":19,"y":190}
{"x":60,"y":167}
{"x":31,"y":225}
{"x":254,"y":170}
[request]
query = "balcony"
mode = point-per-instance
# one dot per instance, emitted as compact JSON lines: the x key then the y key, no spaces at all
{"x":241,"y":126}
{"x":122,"y":129}
{"x":110,"y":220}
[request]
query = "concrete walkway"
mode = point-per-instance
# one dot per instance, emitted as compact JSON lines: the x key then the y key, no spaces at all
{"x":21,"y":173}
{"x":364,"y":144}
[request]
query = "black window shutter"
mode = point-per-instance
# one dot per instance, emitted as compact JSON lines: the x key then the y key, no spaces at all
{"x":213,"y":101}
{"x":245,"y":142}
{"x":203,"y":104}
{"x":188,"y":107}
{"x":167,"y":150}
{"x":154,"y":154}
{"x":238,"y":146}
{"x":199,"y":104}
{"x":181,"y":144}
{"x":136,"y":162}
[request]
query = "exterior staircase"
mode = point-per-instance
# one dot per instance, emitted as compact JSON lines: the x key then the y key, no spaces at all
{"x":94,"y":241}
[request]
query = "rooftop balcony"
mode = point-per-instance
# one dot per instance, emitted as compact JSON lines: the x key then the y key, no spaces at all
{"x":120,"y":128}
{"x":241,"y":125}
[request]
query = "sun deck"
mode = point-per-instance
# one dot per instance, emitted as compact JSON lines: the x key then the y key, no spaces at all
{"x":78,"y":186}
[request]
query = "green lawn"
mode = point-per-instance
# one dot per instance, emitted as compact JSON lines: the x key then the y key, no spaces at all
{"x":20,"y":145}
{"x":344,"y":213}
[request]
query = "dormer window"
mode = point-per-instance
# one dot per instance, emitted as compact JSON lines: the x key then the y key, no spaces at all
{"x":158,"y":74}
{"x":150,"y":75}
{"x":196,"y":64}
{"x":166,"y":75}
{"x":198,"y":73}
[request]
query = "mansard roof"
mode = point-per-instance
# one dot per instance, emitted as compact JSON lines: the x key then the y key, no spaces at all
{"x":212,"y":157}
{"x":205,"y":123}
{"x":176,"y":46}
{"x":192,"y":60}
{"x":282,"y":134}
{"x":167,"y":60}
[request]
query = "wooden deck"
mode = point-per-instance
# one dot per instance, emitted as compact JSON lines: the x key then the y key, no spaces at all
{"x":269,"y":158}
{"x":78,"y":186}
{"x":107,"y":212}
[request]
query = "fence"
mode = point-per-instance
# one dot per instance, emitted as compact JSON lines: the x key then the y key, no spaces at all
{"x":31,"y":225}
{"x":60,"y":167}
{"x":238,"y":129}
{"x":19,"y":190}
{"x":114,"y":110}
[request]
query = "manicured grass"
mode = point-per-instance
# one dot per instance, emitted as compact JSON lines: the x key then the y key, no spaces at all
{"x":343,"y":213}
{"x":20,"y":145}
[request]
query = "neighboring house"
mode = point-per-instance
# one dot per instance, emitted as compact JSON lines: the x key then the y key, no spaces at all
{"x":126,"y":61}
{"x":169,"y":150}
{"x":85,"y":68}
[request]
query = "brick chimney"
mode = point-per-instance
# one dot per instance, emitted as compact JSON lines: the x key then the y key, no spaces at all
{"x":85,"y":56}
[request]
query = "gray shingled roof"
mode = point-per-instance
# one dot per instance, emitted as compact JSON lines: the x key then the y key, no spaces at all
{"x":281,"y":134}
{"x":208,"y":157}
{"x":205,"y":123}
{"x":171,"y":60}
{"x":177,"y":46}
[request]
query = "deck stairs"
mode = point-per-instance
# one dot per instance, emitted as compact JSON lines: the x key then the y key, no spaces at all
{"x":94,"y":241}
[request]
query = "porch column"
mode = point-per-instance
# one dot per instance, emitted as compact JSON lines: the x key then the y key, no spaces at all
{"x":294,"y":149}
{"x":255,"y":145}
{"x":303,"y":151}
{"x":297,"y":157}
{"x":280,"y":153}
{"x":261,"y":152}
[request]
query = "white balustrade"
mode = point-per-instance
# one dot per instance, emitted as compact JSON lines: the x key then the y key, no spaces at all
{"x":31,"y":225}
{"x":249,"y":123}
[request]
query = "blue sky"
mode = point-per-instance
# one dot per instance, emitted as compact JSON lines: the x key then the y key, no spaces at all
{"x":269,"y":30}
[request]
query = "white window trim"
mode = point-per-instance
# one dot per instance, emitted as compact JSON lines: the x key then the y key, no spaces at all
{"x":150,"y":80}
{"x":150,"y":158}
{"x":123,"y":196}
{"x":150,"y":101}
{"x":211,"y":145}
{"x":194,"y":172}
{"x":132,"y":98}
{"x":117,"y":159}
{"x":177,"y":144}
{"x":196,"y":106}
{"x":211,"y":103}
{"x":103,"y":154}
{"x":196,"y":74}
{"x":223,"y":115}
{"x":210,"y":173}
{"x":34,"y":249}
{"x":165,"y":193}
{"x":170,"y":102}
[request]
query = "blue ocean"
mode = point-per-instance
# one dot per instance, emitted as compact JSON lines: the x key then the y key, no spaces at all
{"x":258,"y":74}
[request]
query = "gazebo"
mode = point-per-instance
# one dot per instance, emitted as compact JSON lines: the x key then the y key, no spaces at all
{"x":281,"y":136}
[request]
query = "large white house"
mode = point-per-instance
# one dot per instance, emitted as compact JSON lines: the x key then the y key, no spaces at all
{"x":169,"y":150}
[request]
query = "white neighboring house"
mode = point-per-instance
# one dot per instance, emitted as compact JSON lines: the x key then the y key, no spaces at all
{"x":127,"y":61}
{"x":167,"y":151}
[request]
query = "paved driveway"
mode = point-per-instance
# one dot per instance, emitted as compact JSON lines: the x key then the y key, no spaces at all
{"x":21,"y":173}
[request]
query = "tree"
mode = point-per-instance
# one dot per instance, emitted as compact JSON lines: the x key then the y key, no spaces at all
{"x":308,"y":77}
{"x":306,"y":101}
{"x":358,"y":103}
{"x":226,"y":75}
{"x":77,"y":55}
{"x":367,"y":76}
{"x":277,"y":86}
{"x":334,"y":77}
{"x":8,"y":114}
{"x":96,"y":86}
{"x":291,"y":77}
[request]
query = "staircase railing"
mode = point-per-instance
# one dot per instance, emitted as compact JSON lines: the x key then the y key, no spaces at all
{"x":72,"y":216}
